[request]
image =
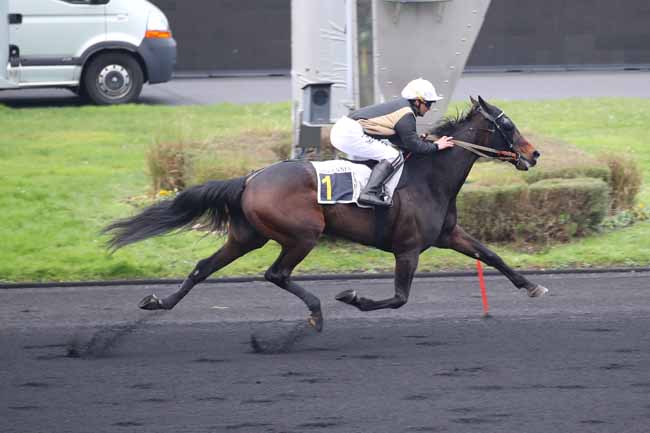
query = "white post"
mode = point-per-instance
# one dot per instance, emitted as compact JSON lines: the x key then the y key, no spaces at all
{"x":352,"y":53}
{"x":320,"y":41}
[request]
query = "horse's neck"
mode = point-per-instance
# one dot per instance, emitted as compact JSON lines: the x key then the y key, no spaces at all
{"x":445,"y":172}
{"x":451,"y":169}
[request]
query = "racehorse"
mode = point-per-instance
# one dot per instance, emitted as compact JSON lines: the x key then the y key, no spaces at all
{"x":280,"y":203}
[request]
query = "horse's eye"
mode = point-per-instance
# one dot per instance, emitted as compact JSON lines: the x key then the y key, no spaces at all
{"x":507,"y":124}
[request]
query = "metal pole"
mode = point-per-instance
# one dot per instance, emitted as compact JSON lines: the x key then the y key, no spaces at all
{"x":352,"y":57}
{"x":378,"y":95}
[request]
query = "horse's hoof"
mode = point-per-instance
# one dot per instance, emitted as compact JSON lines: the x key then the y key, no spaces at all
{"x":347,"y":296}
{"x":316,"y":321}
{"x":537,"y":291}
{"x":151,"y":302}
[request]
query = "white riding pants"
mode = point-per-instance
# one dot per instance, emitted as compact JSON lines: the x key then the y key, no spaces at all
{"x":347,"y":136}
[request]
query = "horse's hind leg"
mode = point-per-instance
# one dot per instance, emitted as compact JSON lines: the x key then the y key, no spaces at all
{"x":235,"y":247}
{"x":280,"y":274}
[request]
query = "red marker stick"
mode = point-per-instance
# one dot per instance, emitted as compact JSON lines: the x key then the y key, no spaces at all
{"x":486,"y":307}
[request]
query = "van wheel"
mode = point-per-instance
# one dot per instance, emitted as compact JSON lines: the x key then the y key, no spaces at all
{"x":113,"y":78}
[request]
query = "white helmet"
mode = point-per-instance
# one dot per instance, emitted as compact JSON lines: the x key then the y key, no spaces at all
{"x":420,"y":89}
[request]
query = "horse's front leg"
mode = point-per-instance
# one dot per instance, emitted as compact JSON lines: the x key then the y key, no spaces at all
{"x":460,"y":241}
{"x":405,"y":266}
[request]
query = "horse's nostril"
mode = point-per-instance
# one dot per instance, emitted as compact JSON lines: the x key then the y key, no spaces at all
{"x":536,"y":154}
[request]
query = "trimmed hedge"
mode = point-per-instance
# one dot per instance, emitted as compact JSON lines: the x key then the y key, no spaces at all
{"x":564,"y":208}
{"x":592,"y":169}
{"x":492,"y":213}
{"x":548,"y":210}
{"x":568,"y":194}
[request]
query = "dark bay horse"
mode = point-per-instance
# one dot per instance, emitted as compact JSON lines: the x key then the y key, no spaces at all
{"x":280,"y":203}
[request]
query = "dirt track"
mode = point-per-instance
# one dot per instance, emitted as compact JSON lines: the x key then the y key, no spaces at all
{"x":85,"y":359}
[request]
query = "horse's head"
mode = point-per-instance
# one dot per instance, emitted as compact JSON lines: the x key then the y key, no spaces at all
{"x":502,"y":134}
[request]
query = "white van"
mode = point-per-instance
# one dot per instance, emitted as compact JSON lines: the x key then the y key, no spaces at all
{"x":102,"y":49}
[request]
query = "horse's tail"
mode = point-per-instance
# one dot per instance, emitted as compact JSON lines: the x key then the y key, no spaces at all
{"x":218,"y":201}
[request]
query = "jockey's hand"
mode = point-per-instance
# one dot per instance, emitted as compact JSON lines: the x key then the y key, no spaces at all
{"x":445,"y":142}
{"x":423,"y":135}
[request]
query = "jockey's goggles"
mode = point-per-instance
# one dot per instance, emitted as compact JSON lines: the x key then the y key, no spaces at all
{"x":427,"y":104}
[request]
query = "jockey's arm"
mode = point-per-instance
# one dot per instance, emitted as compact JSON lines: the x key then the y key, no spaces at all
{"x":406,"y":130}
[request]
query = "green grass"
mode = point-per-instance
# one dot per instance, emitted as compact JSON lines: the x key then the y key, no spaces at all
{"x":66,"y":172}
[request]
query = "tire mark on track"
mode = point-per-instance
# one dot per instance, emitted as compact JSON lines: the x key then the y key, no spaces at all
{"x":417,"y":397}
{"x":461,"y":372}
{"x":210,"y":360}
{"x":128,"y":424}
{"x":247,"y":425}
{"x":26,"y":407}
{"x":41,"y":385}
{"x":210,"y":398}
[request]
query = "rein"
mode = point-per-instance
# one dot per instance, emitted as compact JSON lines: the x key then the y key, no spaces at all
{"x":501,"y":155}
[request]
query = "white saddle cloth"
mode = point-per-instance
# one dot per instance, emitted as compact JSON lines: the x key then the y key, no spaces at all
{"x":341,"y":181}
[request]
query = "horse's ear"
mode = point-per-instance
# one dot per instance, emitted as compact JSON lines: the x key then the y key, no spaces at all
{"x":473,"y":101}
{"x":484,"y":105}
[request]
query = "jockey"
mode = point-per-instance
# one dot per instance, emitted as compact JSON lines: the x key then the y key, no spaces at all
{"x":360,"y":134}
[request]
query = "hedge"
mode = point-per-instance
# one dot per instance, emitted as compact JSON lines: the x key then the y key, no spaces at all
{"x":564,"y":208}
{"x":548,"y":210}
{"x":625,"y":181}
{"x":567,"y":194}
{"x":593,"y":169}
{"x":492,"y":213}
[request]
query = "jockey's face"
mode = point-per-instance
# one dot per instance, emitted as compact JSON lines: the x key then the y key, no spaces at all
{"x":423,"y":106}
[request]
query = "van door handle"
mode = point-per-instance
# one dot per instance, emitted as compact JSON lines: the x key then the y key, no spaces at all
{"x":15,"y":18}
{"x":14,"y":56}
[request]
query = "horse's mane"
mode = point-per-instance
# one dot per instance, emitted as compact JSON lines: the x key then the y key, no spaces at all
{"x":449,"y":124}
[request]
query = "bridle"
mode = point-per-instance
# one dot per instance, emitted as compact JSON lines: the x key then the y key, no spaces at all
{"x":501,"y":155}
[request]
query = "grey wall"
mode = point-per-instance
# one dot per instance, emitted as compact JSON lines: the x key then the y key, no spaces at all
{"x":564,"y":32}
{"x":235,"y":35}
{"x":230,"y":35}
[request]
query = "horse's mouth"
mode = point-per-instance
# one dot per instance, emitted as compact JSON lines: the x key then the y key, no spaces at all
{"x":523,"y":164}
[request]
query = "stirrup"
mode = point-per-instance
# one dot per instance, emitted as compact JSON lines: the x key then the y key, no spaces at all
{"x":369,"y":199}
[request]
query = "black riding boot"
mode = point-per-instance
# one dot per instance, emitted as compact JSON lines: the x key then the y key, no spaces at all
{"x":371,"y":193}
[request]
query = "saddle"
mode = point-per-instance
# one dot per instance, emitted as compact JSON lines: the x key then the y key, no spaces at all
{"x":342,"y":180}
